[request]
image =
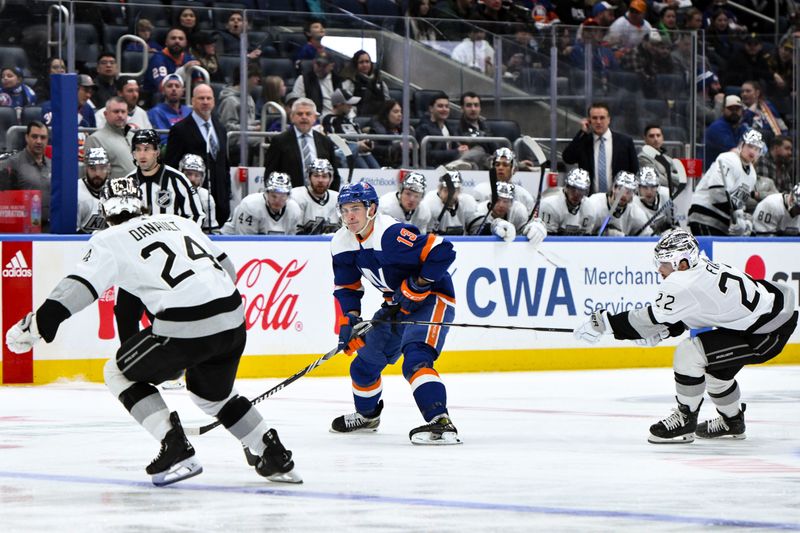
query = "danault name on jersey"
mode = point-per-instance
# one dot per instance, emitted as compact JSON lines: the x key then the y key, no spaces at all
{"x":149,"y":228}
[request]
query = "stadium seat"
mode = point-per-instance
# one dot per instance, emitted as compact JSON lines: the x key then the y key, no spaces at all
{"x":8,"y":118}
{"x":277,"y":66}
{"x":31,"y":113}
{"x":290,"y":43}
{"x":154,"y":10}
{"x":14,"y":56}
{"x":227,"y":64}
{"x":504,"y":128}
{"x":112,"y":33}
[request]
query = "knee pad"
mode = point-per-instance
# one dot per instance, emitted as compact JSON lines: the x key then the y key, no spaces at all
{"x":213,"y":407}
{"x":689,"y":358}
{"x":363,"y":372}
{"x":417,"y":355}
{"x":116,"y":382}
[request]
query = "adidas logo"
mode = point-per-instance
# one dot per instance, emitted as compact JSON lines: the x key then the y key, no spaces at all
{"x":17,"y":267}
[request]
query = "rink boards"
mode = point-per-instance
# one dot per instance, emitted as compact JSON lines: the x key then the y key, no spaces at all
{"x":286,"y":285}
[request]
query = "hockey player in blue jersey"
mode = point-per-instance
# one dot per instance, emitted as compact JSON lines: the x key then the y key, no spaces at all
{"x":411,"y":270}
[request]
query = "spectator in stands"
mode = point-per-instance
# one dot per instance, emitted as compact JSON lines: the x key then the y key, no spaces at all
{"x":760,"y":113}
{"x":318,"y":84}
{"x":55,"y":65}
{"x":720,"y":40}
{"x":171,"y":110}
{"x":781,"y":82}
{"x":339,"y":121}
{"x":650,"y":58}
{"x":435,"y":124}
{"x":144,"y":30}
{"x":458,"y":10}
{"x":748,"y":63}
{"x":604,"y":14}
{"x":626,"y":32}
{"x":174,"y":57}
{"x":273,"y":90}
{"x":692,"y":20}
{"x":682,"y":55}
{"x":294,"y":150}
{"x":228,"y":109}
{"x":709,"y":99}
{"x":598,"y":150}
{"x":573,"y":12}
{"x":85,"y":110}
{"x":203,"y":134}
{"x":495,"y":17}
{"x":187,"y":21}
{"x":472,"y":156}
{"x":288,"y":102}
{"x":776,"y":164}
{"x":231,"y":37}
{"x":475,"y":52}
{"x":521,"y":52}
{"x":421,"y":28}
{"x":652,"y":155}
{"x":389,"y":121}
{"x":365,"y":82}
{"x":726,"y":132}
{"x":314,"y":31}
{"x":106,"y":79}
{"x":604,"y":60}
{"x":128,"y":90}
{"x":29,"y":169}
{"x":115,"y":137}
{"x":13,"y":92}
{"x":668,"y":24}
{"x":204,"y":49}
{"x":715,"y":7}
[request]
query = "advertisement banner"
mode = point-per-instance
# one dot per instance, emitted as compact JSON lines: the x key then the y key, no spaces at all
{"x":17,"y":288}
{"x":20,"y":211}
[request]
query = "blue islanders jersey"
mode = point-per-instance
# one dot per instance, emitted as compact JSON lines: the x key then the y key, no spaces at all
{"x":392,"y":252}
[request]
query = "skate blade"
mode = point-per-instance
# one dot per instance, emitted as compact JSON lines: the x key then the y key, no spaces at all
{"x":683,"y":439}
{"x":289,"y":477}
{"x":178,"y":472}
{"x":172,"y":385}
{"x":360,"y":430}
{"x":428,"y":438}
{"x":731,"y":437}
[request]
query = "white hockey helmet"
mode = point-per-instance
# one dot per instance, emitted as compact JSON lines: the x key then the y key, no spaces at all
{"x":626,"y":179}
{"x":674,"y":246}
{"x":279,"y":182}
{"x":455,"y":177}
{"x":96,"y":156}
{"x":578,"y":178}
{"x":414,"y":181}
{"x":509,"y":154}
{"x":121,"y":195}
{"x":320,"y":166}
{"x":648,"y":177}
{"x":754,"y":139}
{"x":192,"y":162}
{"x":505,"y":190}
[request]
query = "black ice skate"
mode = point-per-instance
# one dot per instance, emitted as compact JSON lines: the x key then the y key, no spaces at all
{"x":175,"y":461}
{"x":276,"y":463}
{"x":723,"y":426}
{"x":439,"y":431}
{"x":677,"y":428}
{"x":357,"y":421}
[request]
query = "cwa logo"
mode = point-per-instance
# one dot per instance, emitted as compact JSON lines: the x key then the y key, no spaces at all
{"x":17,"y":267}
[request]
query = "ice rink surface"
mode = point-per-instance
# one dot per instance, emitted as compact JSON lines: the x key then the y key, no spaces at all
{"x":548,"y":451}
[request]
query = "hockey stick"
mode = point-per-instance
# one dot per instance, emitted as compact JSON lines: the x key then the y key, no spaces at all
{"x":618,"y":197}
{"x":653,"y":218}
{"x":534,"y":147}
{"x":493,"y":191}
{"x":208,"y":427}
{"x":464,"y":325}
{"x":348,"y":154}
{"x":451,"y":190}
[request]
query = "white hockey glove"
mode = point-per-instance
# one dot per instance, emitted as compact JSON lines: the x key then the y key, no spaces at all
{"x":591,"y":330}
{"x":504,"y":229}
{"x":742,"y":226}
{"x":23,"y":335}
{"x":653,"y":340}
{"x":536,"y":232}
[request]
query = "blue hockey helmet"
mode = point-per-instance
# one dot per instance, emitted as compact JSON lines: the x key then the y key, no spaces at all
{"x":358,"y":192}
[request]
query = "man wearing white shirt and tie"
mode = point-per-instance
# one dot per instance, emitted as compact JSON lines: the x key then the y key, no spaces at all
{"x":202,"y":134}
{"x":598,"y":150}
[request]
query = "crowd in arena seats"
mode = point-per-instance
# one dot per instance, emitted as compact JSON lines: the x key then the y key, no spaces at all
{"x":640,"y":60}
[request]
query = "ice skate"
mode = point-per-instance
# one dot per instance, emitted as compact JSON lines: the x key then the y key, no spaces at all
{"x":723,"y":426}
{"x":173,"y":384}
{"x":677,"y":428}
{"x":439,"y":431}
{"x":357,"y":421}
{"x":276,"y":463}
{"x":175,"y":461}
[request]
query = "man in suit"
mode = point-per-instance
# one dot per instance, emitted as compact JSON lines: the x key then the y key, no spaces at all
{"x":204,"y":135}
{"x":293,"y":151}
{"x":600,"y":151}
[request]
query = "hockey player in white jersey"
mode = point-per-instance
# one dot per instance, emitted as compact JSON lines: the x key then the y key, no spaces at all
{"x":627,"y":217}
{"x":719,"y":200}
{"x":778,"y":214}
{"x":165,"y":189}
{"x":187,"y":282}
{"x":96,"y":169}
{"x":406,"y":204}
{"x":653,"y":200}
{"x":506,"y":218}
{"x":316,"y":201}
{"x":504,"y":161}
{"x":753,"y":321}
{"x":451,"y":210}
{"x":194,"y":168}
{"x":270,"y":212}
{"x":569,"y":213}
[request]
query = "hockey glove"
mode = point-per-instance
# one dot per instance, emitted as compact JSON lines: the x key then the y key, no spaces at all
{"x":504,"y":229}
{"x":349,"y":341}
{"x":591,"y":330}
{"x":654,"y":339}
{"x":535,"y":231}
{"x":410,"y":295}
{"x":742,"y":226}
{"x":23,"y":335}
{"x":388,"y":312}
